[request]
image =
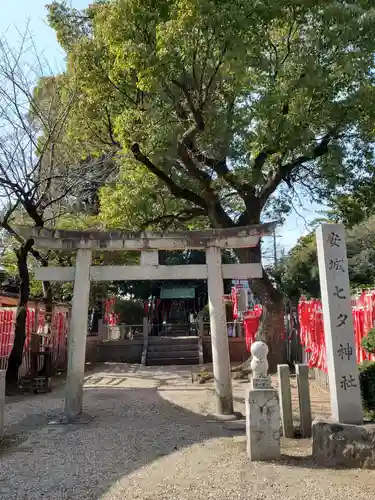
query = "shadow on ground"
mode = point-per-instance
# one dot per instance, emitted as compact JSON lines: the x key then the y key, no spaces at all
{"x":130,"y":429}
{"x":134,"y":425}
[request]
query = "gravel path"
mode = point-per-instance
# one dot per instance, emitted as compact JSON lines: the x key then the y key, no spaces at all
{"x":149,"y":439}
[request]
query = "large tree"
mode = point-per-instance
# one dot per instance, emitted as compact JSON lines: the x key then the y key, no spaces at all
{"x":230,"y":106}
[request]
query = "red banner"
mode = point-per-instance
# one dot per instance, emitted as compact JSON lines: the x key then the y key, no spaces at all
{"x":312,"y":337}
{"x":251,"y":324}
{"x":235,"y":302}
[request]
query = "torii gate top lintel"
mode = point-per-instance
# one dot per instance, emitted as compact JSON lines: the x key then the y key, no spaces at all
{"x":234,"y":237}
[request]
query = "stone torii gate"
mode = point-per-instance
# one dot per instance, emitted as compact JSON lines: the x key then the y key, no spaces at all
{"x":148,"y":244}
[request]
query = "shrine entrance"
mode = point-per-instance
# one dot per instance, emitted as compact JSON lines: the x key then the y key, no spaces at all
{"x":148,"y":244}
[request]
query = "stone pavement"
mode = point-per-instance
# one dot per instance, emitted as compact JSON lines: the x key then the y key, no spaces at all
{"x":150,"y":438}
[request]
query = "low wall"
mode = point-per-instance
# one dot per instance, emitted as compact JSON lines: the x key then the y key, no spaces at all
{"x":130,"y":351}
{"x":237,"y":349}
{"x":120,"y":351}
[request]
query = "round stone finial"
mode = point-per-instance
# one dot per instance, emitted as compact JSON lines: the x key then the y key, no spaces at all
{"x":259,"y":349}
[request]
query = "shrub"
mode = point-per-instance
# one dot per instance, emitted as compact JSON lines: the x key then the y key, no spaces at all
{"x":367,"y":382}
{"x":368,"y":342}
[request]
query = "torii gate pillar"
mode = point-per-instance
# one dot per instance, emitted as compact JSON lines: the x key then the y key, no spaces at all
{"x":219,"y":335}
{"x":77,"y":335}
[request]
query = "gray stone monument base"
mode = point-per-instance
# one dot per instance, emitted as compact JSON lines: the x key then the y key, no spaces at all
{"x":343,"y":445}
{"x":220,"y":417}
{"x":262,"y":423}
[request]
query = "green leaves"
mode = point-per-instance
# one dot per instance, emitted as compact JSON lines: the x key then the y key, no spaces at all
{"x":199,"y":84}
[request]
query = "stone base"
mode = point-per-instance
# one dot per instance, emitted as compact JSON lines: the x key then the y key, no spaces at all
{"x":343,"y":445}
{"x":262,"y":424}
{"x":82,"y":419}
{"x":220,"y":417}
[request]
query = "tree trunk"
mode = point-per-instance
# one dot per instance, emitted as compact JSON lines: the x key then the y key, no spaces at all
{"x":273,"y":327}
{"x":15,"y":358}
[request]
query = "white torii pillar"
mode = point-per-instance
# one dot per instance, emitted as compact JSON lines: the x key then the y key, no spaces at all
{"x":77,"y":335}
{"x":219,"y":335}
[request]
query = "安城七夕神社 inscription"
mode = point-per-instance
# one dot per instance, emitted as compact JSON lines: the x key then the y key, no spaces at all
{"x":337,"y":265}
{"x":347,"y":381}
{"x":339,"y":293}
{"x":334,"y":240}
{"x":345,"y":351}
{"x":341,"y":318}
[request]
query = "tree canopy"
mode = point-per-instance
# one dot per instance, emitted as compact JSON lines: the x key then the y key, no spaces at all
{"x":229,"y":106}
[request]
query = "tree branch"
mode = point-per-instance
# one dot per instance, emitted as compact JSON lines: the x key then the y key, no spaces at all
{"x":284,"y":171}
{"x":110,"y":130}
{"x":177,"y":191}
{"x":196,"y":112}
{"x":182,"y":216}
{"x":37,"y":255}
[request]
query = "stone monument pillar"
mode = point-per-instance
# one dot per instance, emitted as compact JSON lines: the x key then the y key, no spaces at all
{"x":346,"y":404}
{"x":341,"y":441}
{"x":262,"y":409}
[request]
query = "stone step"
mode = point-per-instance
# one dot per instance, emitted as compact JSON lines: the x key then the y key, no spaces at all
{"x":172,"y":347}
{"x":177,"y":326}
{"x":172,"y":340}
{"x":172,"y":354}
{"x":172,"y":361}
{"x":175,"y":335}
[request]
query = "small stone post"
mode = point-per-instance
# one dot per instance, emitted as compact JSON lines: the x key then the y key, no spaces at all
{"x":302,"y":373}
{"x":346,"y":404}
{"x":146,"y":331}
{"x":77,"y":336}
{"x":219,"y":334}
{"x":285,"y":398}
{"x":2,"y":402}
{"x":262,"y":409}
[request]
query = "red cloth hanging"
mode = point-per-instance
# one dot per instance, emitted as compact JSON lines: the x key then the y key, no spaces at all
{"x":312,"y":328}
{"x":251,"y":324}
{"x":235,"y":302}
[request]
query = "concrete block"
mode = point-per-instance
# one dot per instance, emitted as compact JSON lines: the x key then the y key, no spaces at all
{"x":2,"y":402}
{"x":302,"y":373}
{"x":343,"y":445}
{"x":285,"y":398}
{"x":262,"y":424}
